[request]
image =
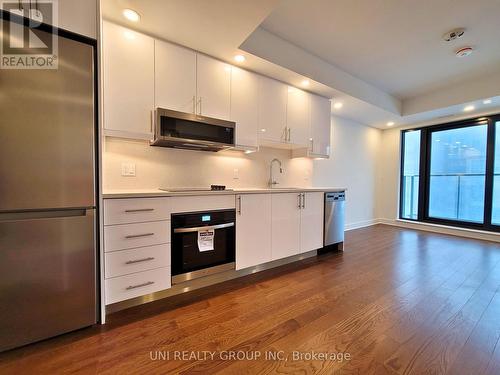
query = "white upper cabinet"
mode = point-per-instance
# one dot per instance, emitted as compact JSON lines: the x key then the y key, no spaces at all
{"x":320,"y":125}
{"x":311,"y":221}
{"x":128,"y":82}
{"x":214,"y":87}
{"x":141,"y":74}
{"x":298,"y":116}
{"x":273,"y":102}
{"x":285,"y":225}
{"x":245,"y":106}
{"x":175,"y":77}
{"x":253,"y":230}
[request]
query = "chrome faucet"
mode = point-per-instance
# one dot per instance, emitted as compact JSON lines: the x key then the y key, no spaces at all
{"x":272,"y":181}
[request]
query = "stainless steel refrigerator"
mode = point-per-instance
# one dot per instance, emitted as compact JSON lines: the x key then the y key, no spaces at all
{"x":48,"y":198}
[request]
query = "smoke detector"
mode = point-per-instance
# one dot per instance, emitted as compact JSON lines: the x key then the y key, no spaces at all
{"x":454,"y":34}
{"x":464,"y":51}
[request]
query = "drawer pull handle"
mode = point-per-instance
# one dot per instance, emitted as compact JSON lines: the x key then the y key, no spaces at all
{"x":139,"y":285}
{"x":139,"y":235}
{"x":139,"y":260}
{"x":140,"y":210}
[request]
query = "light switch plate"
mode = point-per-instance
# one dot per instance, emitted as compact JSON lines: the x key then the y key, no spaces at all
{"x":128,"y":169}
{"x":236,"y":174}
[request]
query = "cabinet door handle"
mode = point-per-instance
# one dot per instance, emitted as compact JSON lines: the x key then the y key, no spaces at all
{"x":303,"y":200}
{"x":239,"y":205}
{"x":139,"y":260}
{"x":139,"y":235}
{"x":139,"y":210}
{"x":194,"y":104}
{"x":300,"y":201}
{"x":312,"y":145}
{"x":139,"y":285}
{"x":289,"y":132}
{"x":199,"y":101}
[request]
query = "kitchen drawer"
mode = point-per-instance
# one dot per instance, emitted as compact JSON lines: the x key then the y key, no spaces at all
{"x":136,"y":210}
{"x":124,"y":262}
{"x":128,"y":236}
{"x":202,"y":203}
{"x":137,"y":284}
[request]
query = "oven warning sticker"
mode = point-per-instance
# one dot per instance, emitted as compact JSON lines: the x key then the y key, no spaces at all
{"x":206,"y":240}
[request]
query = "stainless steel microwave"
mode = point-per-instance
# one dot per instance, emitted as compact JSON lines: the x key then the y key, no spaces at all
{"x":191,"y":131}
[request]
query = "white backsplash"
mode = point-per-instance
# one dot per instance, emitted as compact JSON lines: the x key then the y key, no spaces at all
{"x":165,"y":167}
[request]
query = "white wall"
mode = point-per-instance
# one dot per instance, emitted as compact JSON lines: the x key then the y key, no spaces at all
{"x":353,"y":165}
{"x":167,"y":167}
{"x":388,"y":175}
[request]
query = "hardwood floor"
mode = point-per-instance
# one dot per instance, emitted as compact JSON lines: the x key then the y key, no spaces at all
{"x":395,"y":302}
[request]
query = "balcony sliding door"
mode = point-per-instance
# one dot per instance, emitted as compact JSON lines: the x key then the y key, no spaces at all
{"x":495,"y":212}
{"x":457,"y":173}
{"x":450,"y":174}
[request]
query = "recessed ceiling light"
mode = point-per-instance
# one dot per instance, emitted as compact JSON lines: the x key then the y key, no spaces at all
{"x":239,"y":58}
{"x":469,"y":108}
{"x":131,"y":15}
{"x":263,"y":130}
{"x":487,"y":101}
{"x":338,"y":105}
{"x":305,"y":82}
{"x":390,"y":123}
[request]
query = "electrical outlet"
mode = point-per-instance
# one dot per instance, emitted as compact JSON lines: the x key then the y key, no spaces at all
{"x":128,"y":169}
{"x":236,"y":174}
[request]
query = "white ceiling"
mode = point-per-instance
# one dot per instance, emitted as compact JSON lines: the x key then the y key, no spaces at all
{"x":367,"y":54}
{"x":395,"y":45}
{"x":211,"y":26}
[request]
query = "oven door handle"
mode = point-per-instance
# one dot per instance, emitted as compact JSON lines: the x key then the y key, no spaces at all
{"x":196,"y":229}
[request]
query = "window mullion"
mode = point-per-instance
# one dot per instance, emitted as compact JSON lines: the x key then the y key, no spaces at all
{"x":422,"y":188}
{"x":490,"y":159}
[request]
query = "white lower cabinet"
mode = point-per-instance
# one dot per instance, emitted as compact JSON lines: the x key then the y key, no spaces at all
{"x":136,"y":254}
{"x":311,"y":221}
{"x":253,"y":230}
{"x":137,"y":284}
{"x":297,"y":223}
{"x":129,"y":236}
{"x":285,"y":225}
{"x":120,"y":263}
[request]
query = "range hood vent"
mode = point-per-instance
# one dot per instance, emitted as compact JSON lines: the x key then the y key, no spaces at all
{"x":192,"y":132}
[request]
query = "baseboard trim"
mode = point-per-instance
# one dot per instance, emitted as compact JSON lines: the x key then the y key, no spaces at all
{"x":443,"y":229}
{"x":361,"y":224}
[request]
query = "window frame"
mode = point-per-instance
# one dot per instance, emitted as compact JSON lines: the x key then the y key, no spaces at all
{"x":424,"y":173}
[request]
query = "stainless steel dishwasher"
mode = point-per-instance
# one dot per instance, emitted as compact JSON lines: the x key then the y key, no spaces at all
{"x":334,"y":220}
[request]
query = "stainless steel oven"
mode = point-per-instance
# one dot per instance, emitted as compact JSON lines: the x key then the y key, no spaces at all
{"x":203,"y":243}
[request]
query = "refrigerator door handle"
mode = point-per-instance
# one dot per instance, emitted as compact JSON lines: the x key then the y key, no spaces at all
{"x":49,"y":214}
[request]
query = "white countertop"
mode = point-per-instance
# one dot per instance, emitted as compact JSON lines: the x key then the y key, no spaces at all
{"x":139,"y":193}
